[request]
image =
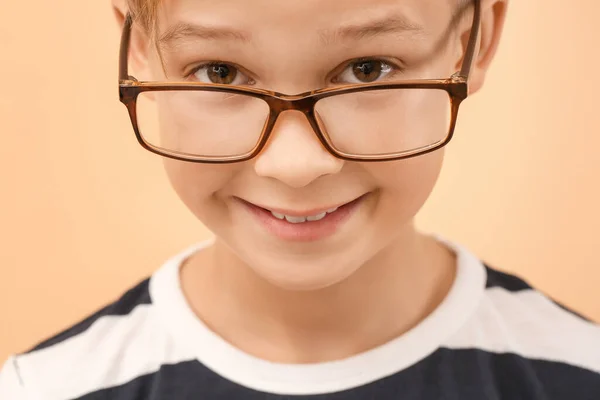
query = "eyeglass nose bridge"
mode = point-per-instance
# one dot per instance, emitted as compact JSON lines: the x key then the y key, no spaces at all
{"x":280,"y":104}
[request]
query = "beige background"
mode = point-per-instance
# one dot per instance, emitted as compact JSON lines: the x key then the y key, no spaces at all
{"x":86,"y":213}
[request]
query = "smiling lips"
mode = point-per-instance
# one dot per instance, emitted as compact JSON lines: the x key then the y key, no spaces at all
{"x":312,"y":215}
{"x":306,"y":225}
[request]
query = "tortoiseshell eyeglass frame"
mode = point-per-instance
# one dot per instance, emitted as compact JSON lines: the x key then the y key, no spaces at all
{"x":456,"y":86}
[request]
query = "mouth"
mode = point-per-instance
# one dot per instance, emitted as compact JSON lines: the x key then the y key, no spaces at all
{"x":304,"y":225}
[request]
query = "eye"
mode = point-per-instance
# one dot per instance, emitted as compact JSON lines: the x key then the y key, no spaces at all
{"x":221,"y":73}
{"x":367,"y":71}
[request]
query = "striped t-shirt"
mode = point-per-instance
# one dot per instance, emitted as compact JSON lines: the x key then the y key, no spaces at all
{"x":492,"y":337}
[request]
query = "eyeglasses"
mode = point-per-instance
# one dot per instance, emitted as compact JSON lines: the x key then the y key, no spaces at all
{"x":218,"y":123}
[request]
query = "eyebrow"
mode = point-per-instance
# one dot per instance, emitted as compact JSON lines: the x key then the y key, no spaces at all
{"x":185,"y":30}
{"x":395,"y":24}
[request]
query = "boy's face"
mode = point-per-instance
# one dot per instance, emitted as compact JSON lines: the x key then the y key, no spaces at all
{"x":293,"y":47}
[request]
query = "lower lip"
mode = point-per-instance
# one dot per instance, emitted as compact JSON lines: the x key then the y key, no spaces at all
{"x":306,"y":231}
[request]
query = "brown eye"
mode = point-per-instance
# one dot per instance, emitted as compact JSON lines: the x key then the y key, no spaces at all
{"x":367,"y":71}
{"x":221,"y":73}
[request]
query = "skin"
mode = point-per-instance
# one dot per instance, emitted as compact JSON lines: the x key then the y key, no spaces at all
{"x":377,"y":276}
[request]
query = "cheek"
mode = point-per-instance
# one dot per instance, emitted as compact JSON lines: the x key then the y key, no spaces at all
{"x":197,"y":184}
{"x":406,"y":185}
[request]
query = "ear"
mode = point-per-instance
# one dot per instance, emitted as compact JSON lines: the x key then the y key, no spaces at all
{"x":120,"y":10}
{"x":139,"y":43}
{"x":493,"y":15}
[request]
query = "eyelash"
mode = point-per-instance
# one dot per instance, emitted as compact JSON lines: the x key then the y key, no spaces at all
{"x":395,"y":69}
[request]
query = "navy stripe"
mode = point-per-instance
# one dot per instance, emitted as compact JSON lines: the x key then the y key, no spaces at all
{"x":135,"y":296}
{"x":469,"y":374}
{"x":506,"y":281}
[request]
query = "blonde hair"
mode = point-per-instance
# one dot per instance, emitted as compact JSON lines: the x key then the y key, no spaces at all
{"x":144,"y":12}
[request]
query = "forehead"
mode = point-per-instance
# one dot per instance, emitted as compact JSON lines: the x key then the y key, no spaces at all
{"x":329,"y":19}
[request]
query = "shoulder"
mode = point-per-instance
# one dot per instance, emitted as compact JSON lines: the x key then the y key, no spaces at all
{"x":520,"y":330}
{"x":115,"y":334}
{"x":512,"y":296}
{"x":133,"y":303}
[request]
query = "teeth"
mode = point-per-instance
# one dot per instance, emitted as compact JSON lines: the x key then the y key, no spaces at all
{"x":317,"y":217}
{"x":295,"y":220}
{"x":277,"y":215}
{"x":299,"y":220}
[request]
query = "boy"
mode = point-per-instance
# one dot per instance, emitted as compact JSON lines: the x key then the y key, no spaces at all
{"x":317,"y":285}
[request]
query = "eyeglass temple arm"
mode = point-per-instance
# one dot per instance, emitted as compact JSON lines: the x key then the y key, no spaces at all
{"x":469,"y":58}
{"x":124,"y":52}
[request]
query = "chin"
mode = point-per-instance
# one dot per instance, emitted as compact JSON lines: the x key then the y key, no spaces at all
{"x":304,"y":276}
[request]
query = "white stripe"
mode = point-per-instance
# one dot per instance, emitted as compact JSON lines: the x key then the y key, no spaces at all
{"x":11,"y":386}
{"x":529,"y":324}
{"x":111,"y":352}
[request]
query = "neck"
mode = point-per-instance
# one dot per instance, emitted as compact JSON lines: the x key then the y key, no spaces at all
{"x":386,"y":297}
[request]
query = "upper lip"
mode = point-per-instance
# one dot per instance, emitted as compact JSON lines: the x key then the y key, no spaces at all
{"x":303,"y":213}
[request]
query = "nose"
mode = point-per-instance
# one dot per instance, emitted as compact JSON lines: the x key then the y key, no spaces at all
{"x":294,"y":155}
